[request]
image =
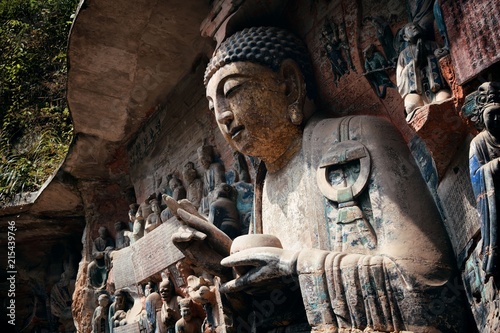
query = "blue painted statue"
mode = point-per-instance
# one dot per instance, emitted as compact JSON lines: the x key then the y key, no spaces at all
{"x":484,"y":165}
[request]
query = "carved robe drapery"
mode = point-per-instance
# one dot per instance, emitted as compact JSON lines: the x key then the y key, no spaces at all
{"x":376,"y":260}
{"x":484,"y":169}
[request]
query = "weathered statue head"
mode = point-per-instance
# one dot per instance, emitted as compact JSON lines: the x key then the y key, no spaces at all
{"x":411,"y":32}
{"x":120,"y":300}
{"x":487,"y":111}
{"x":257,"y":84}
{"x":205,"y":155}
{"x":103,"y":300}
{"x":189,"y":172}
{"x":185,"y":309}
{"x":103,"y":232}
{"x":166,"y":289}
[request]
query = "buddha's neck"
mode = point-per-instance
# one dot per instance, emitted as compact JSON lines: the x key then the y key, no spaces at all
{"x":283,"y":159}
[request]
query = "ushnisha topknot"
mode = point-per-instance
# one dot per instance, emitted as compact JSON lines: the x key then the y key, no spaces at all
{"x":267,"y":46}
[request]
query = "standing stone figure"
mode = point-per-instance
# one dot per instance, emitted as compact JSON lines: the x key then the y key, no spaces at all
{"x":188,"y":323}
{"x":153,"y":310}
{"x":119,"y":309}
{"x":170,"y":308}
{"x":194,"y":184}
{"x":484,"y":167}
{"x":213,"y":176}
{"x":131,"y":215}
{"x":326,"y":178}
{"x":418,"y":76}
{"x":153,"y":220}
{"x":223,"y":212}
{"x":122,"y":239}
{"x":100,"y":316}
{"x":375,"y":67}
{"x":98,"y":269}
{"x":60,"y":302}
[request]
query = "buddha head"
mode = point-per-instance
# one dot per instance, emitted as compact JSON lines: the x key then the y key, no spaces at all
{"x":257,"y":84}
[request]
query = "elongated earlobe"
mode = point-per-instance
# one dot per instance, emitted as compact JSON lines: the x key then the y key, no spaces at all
{"x":295,"y":113}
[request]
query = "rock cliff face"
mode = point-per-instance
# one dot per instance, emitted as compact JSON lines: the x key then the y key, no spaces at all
{"x":136,"y":95}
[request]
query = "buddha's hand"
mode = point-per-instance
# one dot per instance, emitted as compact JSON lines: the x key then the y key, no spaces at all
{"x":202,"y":242}
{"x":260,"y":269}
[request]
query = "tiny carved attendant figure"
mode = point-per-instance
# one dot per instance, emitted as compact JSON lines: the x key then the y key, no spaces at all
{"x":188,"y":323}
{"x":359,"y":230}
{"x":484,"y":165}
{"x":418,"y":76}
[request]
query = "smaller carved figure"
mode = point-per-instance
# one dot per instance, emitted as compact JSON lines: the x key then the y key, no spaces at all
{"x":194,"y":184}
{"x":153,"y":220}
{"x":214,"y":175}
{"x":153,"y":310}
{"x":188,"y":323}
{"x":484,"y":167}
{"x":375,"y":67}
{"x":170,"y":308}
{"x":100,"y":317}
{"x":99,"y":267}
{"x":223,"y":212}
{"x":119,"y":309}
{"x":131,"y":215}
{"x":418,"y":76}
{"x":202,"y":292}
{"x":60,"y":302}
{"x":122,"y":239}
{"x":178,"y":193}
{"x":384,"y":36}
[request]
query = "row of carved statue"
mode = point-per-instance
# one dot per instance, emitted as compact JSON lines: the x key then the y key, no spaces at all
{"x":412,"y":51}
{"x":161,"y":307}
{"x":361,"y":236}
{"x":227,"y":206}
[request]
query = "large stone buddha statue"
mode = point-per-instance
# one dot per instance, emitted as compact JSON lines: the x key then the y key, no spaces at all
{"x":360,"y":232}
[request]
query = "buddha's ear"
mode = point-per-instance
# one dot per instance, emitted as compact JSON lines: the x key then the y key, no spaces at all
{"x":294,"y":89}
{"x":293,"y":79}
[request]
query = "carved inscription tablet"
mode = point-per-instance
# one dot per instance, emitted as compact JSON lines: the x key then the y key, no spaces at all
{"x":129,"y":328}
{"x":155,"y":251}
{"x":123,"y":271}
{"x":455,"y":191}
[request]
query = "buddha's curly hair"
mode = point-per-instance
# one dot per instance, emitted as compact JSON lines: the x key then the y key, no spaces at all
{"x":267,"y":46}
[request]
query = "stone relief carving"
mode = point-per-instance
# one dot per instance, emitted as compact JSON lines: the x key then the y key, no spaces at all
{"x":398,"y":259}
{"x":100,"y":317}
{"x":375,"y":71}
{"x":98,"y":269}
{"x":223,"y":211}
{"x":170,"y":308}
{"x":60,"y":301}
{"x":202,"y":291}
{"x":153,"y":220}
{"x":122,"y":235}
{"x":337,"y":49}
{"x":213,"y":176}
{"x":244,"y":192}
{"x":131,"y":215}
{"x":153,"y":311}
{"x":384,"y":35}
{"x":484,"y":167}
{"x":119,"y":309}
{"x":418,"y":74}
{"x":188,"y":323}
{"x":194,"y":192}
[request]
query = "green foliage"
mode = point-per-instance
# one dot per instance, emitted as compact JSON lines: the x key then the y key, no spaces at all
{"x":35,"y":123}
